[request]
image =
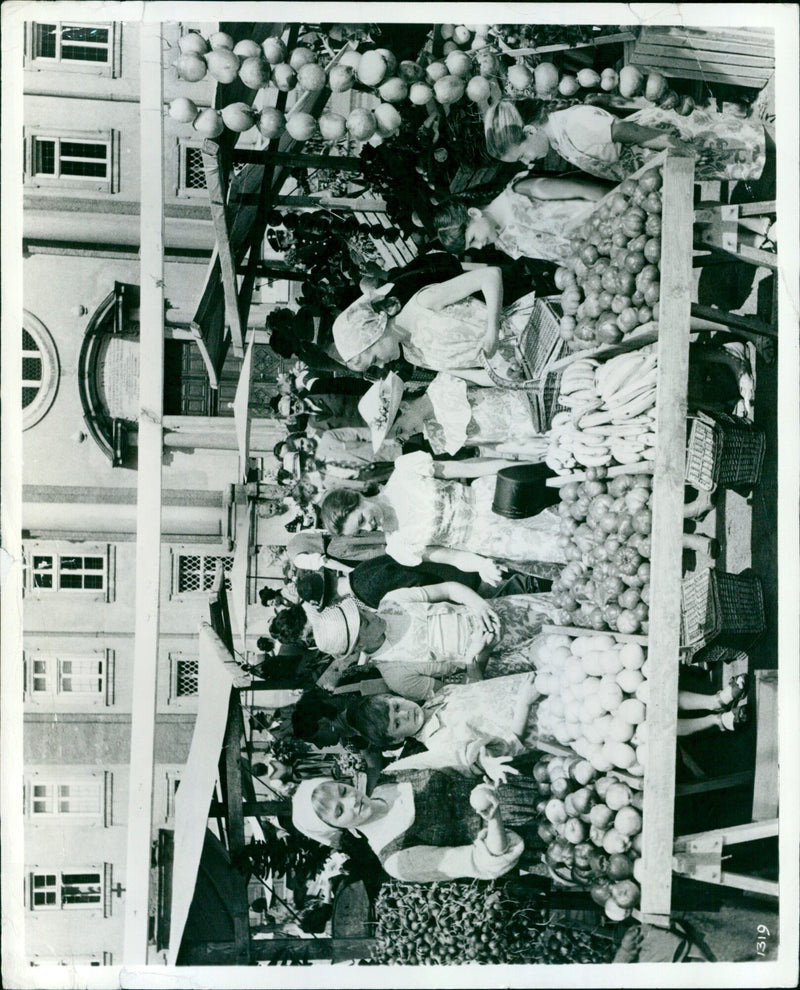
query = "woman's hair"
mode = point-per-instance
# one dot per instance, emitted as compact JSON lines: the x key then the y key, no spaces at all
{"x":385,"y":303}
{"x":273,"y":404}
{"x":288,"y":625}
{"x":452,"y":219}
{"x":336,"y":507}
{"x":264,"y":644}
{"x":280,"y":448}
{"x":284,"y":477}
{"x":505,"y":122}
{"x":370,"y":718}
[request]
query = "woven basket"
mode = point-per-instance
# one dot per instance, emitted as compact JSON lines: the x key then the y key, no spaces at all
{"x":723,"y":451}
{"x":715,"y":603}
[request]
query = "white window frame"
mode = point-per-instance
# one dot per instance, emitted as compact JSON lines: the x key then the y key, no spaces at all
{"x":111,"y":68}
{"x":106,"y":551}
{"x":77,"y":183}
{"x":176,"y":554}
{"x":54,"y":675}
{"x":174,"y":698}
{"x":102,"y":871}
{"x":51,"y":371}
{"x":52,"y":792}
{"x":173,"y":780}
{"x":181,"y":189}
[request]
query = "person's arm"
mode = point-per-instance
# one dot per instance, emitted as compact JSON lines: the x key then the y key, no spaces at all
{"x":475,"y":375}
{"x":526,"y":697}
{"x":416,"y":680}
{"x":465,"y":560}
{"x":488,"y":281}
{"x":645,"y":137}
{"x":543,"y":188}
{"x":472,"y":467}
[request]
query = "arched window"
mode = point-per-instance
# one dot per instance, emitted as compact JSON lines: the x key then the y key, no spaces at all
{"x":40,"y":370}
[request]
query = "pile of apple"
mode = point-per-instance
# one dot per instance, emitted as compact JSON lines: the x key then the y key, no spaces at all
{"x":605,"y":531}
{"x":594,"y":699}
{"x":593,"y":831}
{"x":610,"y":285}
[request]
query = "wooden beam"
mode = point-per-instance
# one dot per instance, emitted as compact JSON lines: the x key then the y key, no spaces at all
{"x":296,"y":159}
{"x":667,"y":531}
{"x":252,"y":809}
{"x":232,"y":797}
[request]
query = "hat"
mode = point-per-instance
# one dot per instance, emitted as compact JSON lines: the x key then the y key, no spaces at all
{"x":291,"y":463}
{"x":336,"y":628}
{"x":378,"y":406}
{"x":306,"y":820}
{"x":316,"y":587}
{"x":359,"y":326}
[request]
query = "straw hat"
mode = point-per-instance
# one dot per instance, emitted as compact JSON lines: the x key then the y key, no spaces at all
{"x":359,"y":326}
{"x":336,"y":628}
{"x":378,"y":407}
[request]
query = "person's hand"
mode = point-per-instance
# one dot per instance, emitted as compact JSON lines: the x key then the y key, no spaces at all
{"x":489,"y":342}
{"x":496,"y":768}
{"x":630,"y":946}
{"x":490,"y":572}
{"x":487,"y":617}
{"x":527,"y":688}
{"x":482,"y":640}
{"x":484,"y":801}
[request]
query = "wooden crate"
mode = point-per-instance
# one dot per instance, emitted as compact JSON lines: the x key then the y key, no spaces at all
{"x":734,"y":56}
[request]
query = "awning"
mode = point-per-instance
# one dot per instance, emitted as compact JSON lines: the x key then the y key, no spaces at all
{"x":198,"y":780}
{"x":241,"y":408}
{"x":239,"y":573}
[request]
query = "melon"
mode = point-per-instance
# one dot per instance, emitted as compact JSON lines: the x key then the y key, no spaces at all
{"x":271,"y":122}
{"x":478,"y":43}
{"x":631,"y":81}
{"x":446,"y":31}
{"x":247,"y":48}
{"x":461,"y":34}
{"x":519,"y":76}
{"x":183,"y":109}
{"x":311,"y":77}
{"x":545,"y":77}
{"x":568,"y":86}
{"x":459,"y":64}
{"x":411,"y":71}
{"x":209,"y":123}
{"x":361,"y":123}
{"x":478,"y":89}
{"x":390,"y":59}
{"x":372,"y":68}
{"x":301,"y":126}
{"x":301,"y":56}
{"x":449,"y":89}
{"x":274,"y":50}
{"x":192,"y":43}
{"x":387,"y":118}
{"x":609,"y":80}
{"x":435,"y":71}
{"x":254,"y":72}
{"x":220,"y":41}
{"x":450,"y":46}
{"x":238,"y":117}
{"x":341,"y":78}
{"x":394,"y":90}
{"x":420,"y":94}
{"x":223,"y":64}
{"x":332,"y":126}
{"x":284,"y":77}
{"x":588,"y":78}
{"x":353,"y":59}
{"x":191,"y":67}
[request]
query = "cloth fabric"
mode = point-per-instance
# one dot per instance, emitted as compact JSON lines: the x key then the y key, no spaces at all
{"x":431,"y":512}
{"x":461,"y":718}
{"x":541,"y":227}
{"x":464,"y":414}
{"x":727,"y":147}
{"x":359,"y":326}
{"x":427,"y":641}
{"x":306,"y":820}
{"x":336,"y":628}
{"x":452,"y":337}
{"x":446,"y":838}
{"x":372,"y":579}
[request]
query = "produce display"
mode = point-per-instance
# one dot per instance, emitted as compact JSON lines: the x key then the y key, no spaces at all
{"x":594,"y":832}
{"x":605,"y":529}
{"x":480,"y":921}
{"x":611,"y":416}
{"x":611,"y":283}
{"x":595,"y":693}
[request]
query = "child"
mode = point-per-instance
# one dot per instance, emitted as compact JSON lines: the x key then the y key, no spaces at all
{"x":603,"y":145}
{"x":531,"y":217}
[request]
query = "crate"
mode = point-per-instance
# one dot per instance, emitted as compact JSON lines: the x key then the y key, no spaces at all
{"x":715,"y":603}
{"x":723,"y":451}
{"x":539,"y":345}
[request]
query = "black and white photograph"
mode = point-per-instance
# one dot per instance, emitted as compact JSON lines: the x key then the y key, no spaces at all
{"x":399,"y":494}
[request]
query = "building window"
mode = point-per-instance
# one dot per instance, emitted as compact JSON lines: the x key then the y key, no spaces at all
{"x":86,"y":796}
{"x":85,"y":573}
{"x":40,"y":370}
{"x":66,"y":889}
{"x":191,"y":174}
{"x":80,"y":160}
{"x":173,"y":783}
{"x":183,"y":678}
{"x":83,"y":679}
{"x":75,"y":46}
{"x":194,"y":573}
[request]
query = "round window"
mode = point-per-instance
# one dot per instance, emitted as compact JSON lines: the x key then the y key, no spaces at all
{"x":40,"y":370}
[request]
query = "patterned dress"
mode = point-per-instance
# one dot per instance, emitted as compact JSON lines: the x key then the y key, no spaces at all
{"x":541,"y":227}
{"x":727,"y":147}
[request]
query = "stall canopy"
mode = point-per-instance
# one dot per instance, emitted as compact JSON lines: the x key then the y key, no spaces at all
{"x":239,"y":573}
{"x":199,"y":778}
{"x":241,"y":408}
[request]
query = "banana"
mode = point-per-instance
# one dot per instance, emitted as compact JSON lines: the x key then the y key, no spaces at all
{"x":642,"y":384}
{"x":593,"y":458}
{"x":617,"y":371}
{"x":636,"y":406}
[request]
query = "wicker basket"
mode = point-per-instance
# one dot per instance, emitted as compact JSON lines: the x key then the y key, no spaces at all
{"x":715,"y":603}
{"x":723,"y":451}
